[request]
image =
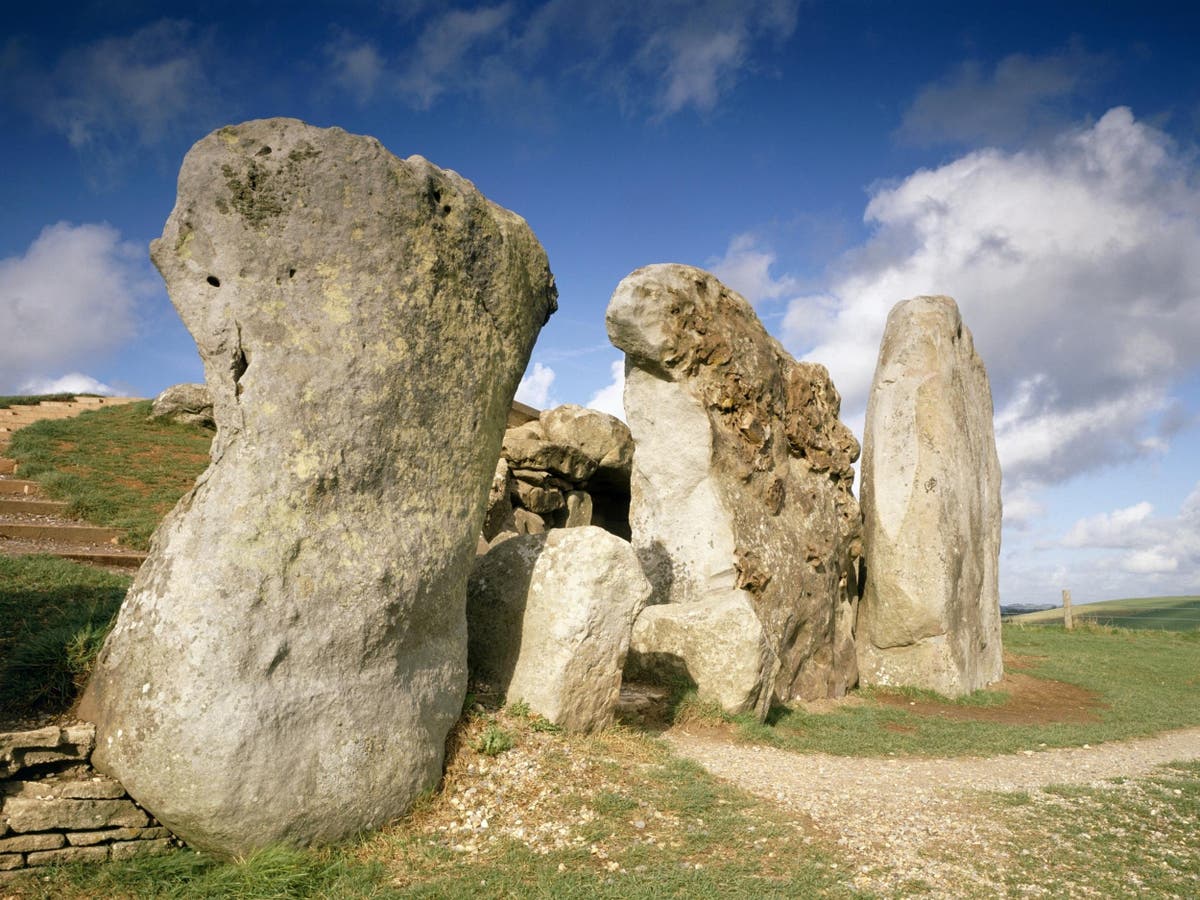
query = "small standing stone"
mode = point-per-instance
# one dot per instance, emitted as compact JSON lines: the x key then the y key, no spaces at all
{"x":549,"y":619}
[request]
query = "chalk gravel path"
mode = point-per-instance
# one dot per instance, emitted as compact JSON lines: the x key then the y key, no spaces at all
{"x":899,"y":819}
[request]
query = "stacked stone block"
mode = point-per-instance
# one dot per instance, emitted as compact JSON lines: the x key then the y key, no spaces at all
{"x":55,"y":809}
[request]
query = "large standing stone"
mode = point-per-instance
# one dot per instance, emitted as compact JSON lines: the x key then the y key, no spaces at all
{"x":292,"y":655}
{"x":740,"y":489}
{"x":930,"y":612}
{"x":549,"y":618}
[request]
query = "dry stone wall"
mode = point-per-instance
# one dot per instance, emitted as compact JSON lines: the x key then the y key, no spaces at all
{"x":55,"y":808}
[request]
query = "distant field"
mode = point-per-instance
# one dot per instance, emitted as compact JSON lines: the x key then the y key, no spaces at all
{"x":1161,"y":613}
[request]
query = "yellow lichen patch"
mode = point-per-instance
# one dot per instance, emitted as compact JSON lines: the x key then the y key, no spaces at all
{"x":183,"y":247}
{"x":338,"y":302}
{"x":228,"y":136}
{"x":306,"y":461}
{"x":357,"y":232}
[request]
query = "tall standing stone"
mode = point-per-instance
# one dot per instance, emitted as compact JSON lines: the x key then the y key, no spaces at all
{"x":930,"y":612}
{"x":741,"y":508}
{"x":292,"y":655}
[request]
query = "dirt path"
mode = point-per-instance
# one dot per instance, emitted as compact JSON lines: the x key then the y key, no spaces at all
{"x":896,"y":818}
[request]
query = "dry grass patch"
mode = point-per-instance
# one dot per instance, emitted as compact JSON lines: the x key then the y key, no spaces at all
{"x":614,"y":813}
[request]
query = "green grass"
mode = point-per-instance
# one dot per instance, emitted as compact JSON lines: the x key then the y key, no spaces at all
{"x":114,"y":466}
{"x":1160,"y":613}
{"x":54,"y":615}
{"x":35,"y":399}
{"x":1134,"y":839}
{"x":640,"y":824}
{"x":1146,"y":682}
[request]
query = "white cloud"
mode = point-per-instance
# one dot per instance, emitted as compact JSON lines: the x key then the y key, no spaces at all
{"x":71,"y":298}
{"x":534,"y":388}
{"x":746,"y":267}
{"x":1146,"y":562}
{"x":657,"y":59}
{"x":1146,"y":545}
{"x":446,"y":54}
{"x":357,"y":66}
{"x":72,"y":383}
{"x":698,"y":67}
{"x":611,"y":399}
{"x":1108,"y":529}
{"x":1077,"y":267}
{"x":1021,"y":94}
{"x":109,"y":95}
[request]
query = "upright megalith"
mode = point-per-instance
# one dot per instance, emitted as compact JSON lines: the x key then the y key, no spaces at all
{"x":292,"y":655}
{"x":741,"y":509}
{"x":930,"y":612}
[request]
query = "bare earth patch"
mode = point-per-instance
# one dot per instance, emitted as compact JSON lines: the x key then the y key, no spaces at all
{"x":1031,"y":701}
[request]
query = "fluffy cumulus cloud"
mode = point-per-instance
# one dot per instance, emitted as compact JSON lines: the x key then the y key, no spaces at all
{"x":658,"y":59}
{"x":71,"y":299}
{"x":611,"y":398}
{"x":71,"y":383}
{"x":1077,"y":267}
{"x":1162,"y":552}
{"x":534,"y":388}
{"x":746,"y":267}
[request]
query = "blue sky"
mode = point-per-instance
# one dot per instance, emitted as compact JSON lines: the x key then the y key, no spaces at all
{"x":1036,"y":161}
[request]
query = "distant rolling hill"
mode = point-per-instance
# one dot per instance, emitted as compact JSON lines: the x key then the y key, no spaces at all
{"x":1162,"y":613}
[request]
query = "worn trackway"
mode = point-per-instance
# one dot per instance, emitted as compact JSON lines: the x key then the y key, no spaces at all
{"x":914,"y":818}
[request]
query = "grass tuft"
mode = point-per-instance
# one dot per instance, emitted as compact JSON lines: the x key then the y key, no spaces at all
{"x":54,"y":616}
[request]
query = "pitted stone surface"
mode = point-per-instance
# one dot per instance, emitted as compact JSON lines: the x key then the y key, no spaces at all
{"x":292,"y":655}
{"x":930,"y":613}
{"x":741,"y":487}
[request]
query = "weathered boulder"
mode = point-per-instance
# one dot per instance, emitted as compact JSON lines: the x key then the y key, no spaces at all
{"x":526,"y":447}
{"x":604,"y":438}
{"x":569,"y":450}
{"x":292,"y":654}
{"x":741,"y":488}
{"x":930,"y":611}
{"x":549,"y":619}
{"x":498,"y":515}
{"x":190,"y":404}
{"x":717,"y":644}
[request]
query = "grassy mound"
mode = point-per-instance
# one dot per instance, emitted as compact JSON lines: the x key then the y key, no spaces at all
{"x":1160,"y":613}
{"x":114,"y":466}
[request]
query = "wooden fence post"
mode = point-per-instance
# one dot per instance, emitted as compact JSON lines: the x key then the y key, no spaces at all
{"x":1068,"y":620}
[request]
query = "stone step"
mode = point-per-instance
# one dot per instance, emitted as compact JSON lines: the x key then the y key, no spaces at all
{"x":68,"y":534}
{"x":11,"y":506}
{"x":18,"y":486}
{"x":127,"y":559}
